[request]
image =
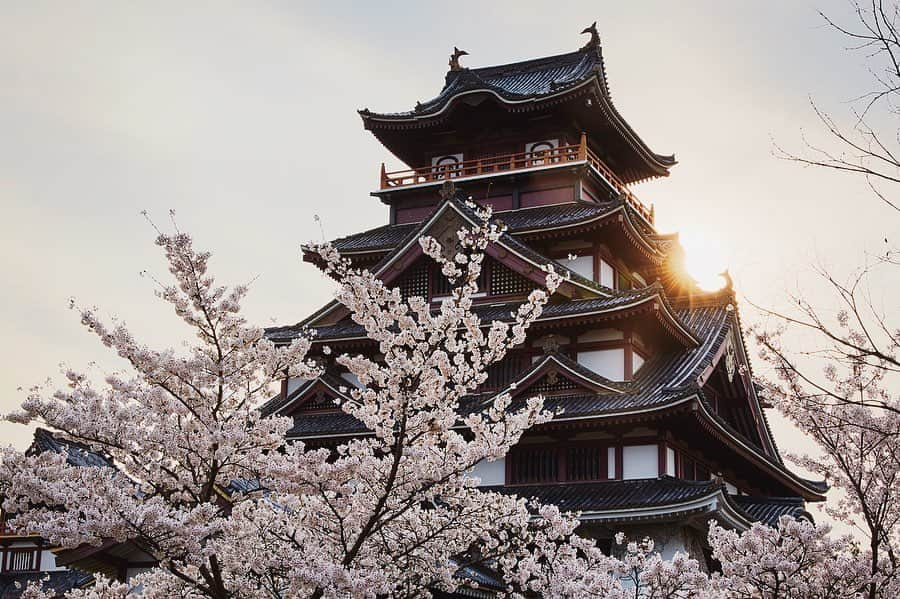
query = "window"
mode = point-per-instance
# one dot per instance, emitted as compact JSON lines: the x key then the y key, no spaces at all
{"x":670,"y":461}
{"x":582,"y":265}
{"x":636,"y":362}
{"x":588,"y":264}
{"x":441,"y":287}
{"x":20,"y":560}
{"x":542,"y":152}
{"x":640,"y":461}
{"x":447,"y":166}
{"x":692,"y":469}
{"x":567,"y":462}
{"x":533,"y":465}
{"x":585,"y":462}
{"x":607,"y":274}
{"x":505,"y":281}
{"x":609,"y":363}
{"x":490,"y":473}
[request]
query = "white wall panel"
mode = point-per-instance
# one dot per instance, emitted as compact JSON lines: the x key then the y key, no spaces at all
{"x":490,"y":473}
{"x":640,"y":461}
{"x":605,"y":362}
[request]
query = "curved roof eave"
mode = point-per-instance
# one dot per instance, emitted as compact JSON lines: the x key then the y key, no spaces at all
{"x":660,"y":162}
{"x":412,"y":239}
{"x":716,"y":502}
{"x":541,"y":367}
{"x":638,"y":237}
{"x":814,"y":491}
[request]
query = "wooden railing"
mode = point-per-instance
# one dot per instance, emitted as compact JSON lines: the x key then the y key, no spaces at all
{"x":514,"y":162}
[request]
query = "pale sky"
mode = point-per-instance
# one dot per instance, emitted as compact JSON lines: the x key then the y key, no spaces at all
{"x":242,"y":118}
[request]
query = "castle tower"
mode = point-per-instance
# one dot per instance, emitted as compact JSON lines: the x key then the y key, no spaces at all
{"x":662,"y":428}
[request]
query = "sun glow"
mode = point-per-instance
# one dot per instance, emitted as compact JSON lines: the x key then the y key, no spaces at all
{"x":704,"y":260}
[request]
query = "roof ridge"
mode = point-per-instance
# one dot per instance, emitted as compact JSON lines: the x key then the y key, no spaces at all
{"x":520,"y":65}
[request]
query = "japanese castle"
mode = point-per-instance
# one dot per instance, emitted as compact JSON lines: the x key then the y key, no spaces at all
{"x":662,"y":428}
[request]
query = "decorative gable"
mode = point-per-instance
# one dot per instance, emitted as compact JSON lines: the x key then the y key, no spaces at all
{"x":558,"y":374}
{"x":425,"y":279}
{"x":320,"y":395}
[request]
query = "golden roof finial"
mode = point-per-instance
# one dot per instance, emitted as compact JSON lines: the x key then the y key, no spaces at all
{"x":454,"y":59}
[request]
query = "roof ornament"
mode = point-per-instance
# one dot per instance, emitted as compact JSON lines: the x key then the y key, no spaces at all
{"x":550,"y":344}
{"x":454,"y":59}
{"x":595,"y":37}
{"x":448,"y":190}
{"x":729,"y":282}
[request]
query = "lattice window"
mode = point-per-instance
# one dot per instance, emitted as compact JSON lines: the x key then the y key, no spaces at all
{"x":415,"y":281}
{"x":586,"y":462}
{"x":533,"y":465}
{"x":319,"y":401}
{"x":505,"y":281}
{"x":553,"y":383}
{"x":440,"y":285}
{"x":21,"y":560}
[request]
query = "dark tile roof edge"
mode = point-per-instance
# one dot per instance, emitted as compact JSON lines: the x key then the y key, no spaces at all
{"x":77,"y":454}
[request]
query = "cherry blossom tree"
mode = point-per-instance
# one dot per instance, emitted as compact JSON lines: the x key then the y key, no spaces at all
{"x":394,"y":512}
{"x":841,"y":389}
{"x":863,"y":146}
{"x":795,"y":559}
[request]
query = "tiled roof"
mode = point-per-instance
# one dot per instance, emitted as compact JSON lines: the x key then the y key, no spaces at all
{"x":616,"y":494}
{"x":652,"y":492}
{"x":278,"y":402}
{"x":76,"y":453}
{"x":584,"y":372}
{"x":516,"y":81}
{"x":459,"y":203}
{"x":769,"y":509}
{"x":663,"y":379}
{"x":387,"y":237}
{"x":57,"y":582}
{"x":325,"y":422}
{"x":487,"y":312}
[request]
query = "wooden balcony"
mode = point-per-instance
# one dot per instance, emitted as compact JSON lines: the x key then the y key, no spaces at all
{"x":561,"y":156}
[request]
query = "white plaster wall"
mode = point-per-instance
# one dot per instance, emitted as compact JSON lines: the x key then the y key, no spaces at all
{"x":640,"y":461}
{"x":490,"y":473}
{"x":667,"y":540}
{"x":583,"y":265}
{"x":605,"y":362}
{"x":610,"y":462}
{"x":670,"y":541}
{"x":607,"y":275}
{"x":636,"y":361}
{"x":670,"y":461}
{"x":48,"y":561}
